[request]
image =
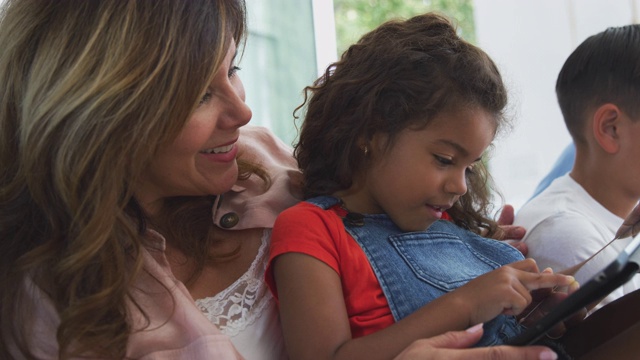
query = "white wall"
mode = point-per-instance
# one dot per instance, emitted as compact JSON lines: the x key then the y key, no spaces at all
{"x":530,"y":40}
{"x":325,"y":34}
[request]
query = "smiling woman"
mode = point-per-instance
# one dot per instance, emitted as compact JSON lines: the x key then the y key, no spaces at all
{"x":202,"y":159}
{"x":106,"y":109}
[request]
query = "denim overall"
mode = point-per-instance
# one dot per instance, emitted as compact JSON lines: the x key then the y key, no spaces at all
{"x":417,"y":267}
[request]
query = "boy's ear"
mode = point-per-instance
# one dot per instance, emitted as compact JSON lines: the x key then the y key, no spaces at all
{"x":606,"y":121}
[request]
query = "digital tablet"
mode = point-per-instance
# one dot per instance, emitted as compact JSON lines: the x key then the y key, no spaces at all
{"x":610,"y":278}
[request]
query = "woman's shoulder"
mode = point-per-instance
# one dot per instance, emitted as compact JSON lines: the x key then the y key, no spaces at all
{"x":260,"y":145}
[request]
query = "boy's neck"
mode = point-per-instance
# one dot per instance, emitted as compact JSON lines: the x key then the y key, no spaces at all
{"x":601,"y":181}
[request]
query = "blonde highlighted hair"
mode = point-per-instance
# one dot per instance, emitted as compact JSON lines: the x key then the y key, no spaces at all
{"x":89,"y":90}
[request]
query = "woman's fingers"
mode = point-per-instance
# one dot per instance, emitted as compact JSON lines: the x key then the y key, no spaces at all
{"x":453,"y":346}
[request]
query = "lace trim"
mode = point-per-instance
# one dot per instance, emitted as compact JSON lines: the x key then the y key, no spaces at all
{"x":242,"y":303}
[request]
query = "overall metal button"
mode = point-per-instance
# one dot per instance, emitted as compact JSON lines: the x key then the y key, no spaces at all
{"x":229,"y":220}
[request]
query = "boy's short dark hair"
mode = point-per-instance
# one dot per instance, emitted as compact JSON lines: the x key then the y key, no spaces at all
{"x":605,"y":68}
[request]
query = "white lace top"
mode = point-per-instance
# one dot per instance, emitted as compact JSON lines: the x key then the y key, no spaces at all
{"x":246,"y":311}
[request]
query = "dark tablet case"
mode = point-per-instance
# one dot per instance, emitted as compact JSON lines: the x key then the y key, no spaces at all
{"x":610,"y":278}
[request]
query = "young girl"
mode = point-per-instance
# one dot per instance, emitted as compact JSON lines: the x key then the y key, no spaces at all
{"x":393,"y":140}
{"x":392,"y":143}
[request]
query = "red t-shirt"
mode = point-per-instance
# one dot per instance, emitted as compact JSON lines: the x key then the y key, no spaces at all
{"x":307,"y":229}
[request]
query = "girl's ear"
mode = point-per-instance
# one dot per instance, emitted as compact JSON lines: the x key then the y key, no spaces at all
{"x":378,"y":142}
{"x":606,"y":122}
{"x":364,"y":145}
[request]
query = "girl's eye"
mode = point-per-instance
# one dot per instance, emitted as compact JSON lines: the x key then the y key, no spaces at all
{"x":443,"y":160}
{"x":233,"y":70}
{"x":205,"y":98}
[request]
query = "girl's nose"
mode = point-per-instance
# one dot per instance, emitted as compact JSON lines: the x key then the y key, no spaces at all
{"x":456,"y":184}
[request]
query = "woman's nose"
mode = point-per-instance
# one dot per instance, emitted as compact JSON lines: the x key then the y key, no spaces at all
{"x":243,"y":113}
{"x":237,"y":113}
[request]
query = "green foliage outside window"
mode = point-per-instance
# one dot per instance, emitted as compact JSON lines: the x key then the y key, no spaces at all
{"x":356,"y":17}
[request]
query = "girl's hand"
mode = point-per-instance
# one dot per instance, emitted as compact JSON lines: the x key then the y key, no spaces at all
{"x":506,"y":290}
{"x":545,"y":300}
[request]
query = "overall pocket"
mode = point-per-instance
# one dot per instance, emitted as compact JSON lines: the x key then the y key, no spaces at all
{"x":442,"y":260}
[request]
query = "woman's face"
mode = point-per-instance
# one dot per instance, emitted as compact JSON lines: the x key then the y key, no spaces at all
{"x":202,"y":159}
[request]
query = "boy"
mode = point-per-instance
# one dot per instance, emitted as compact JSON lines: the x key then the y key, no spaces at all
{"x":598,"y":90}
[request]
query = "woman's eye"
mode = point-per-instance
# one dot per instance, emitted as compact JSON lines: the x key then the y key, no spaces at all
{"x":205,"y":98}
{"x":233,"y":70}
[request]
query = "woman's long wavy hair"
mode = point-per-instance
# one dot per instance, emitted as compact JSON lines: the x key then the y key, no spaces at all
{"x":400,"y":75}
{"x":89,"y":90}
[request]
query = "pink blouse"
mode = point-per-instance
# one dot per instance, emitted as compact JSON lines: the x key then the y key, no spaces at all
{"x":178,"y":329}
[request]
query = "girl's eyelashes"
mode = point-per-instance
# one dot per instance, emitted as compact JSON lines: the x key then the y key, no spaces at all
{"x":233,"y":70}
{"x":443,"y":160}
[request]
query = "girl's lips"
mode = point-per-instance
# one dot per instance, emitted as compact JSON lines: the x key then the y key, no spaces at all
{"x":436,"y":212}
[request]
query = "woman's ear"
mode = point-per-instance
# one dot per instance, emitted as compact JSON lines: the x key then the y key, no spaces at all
{"x":606,"y":122}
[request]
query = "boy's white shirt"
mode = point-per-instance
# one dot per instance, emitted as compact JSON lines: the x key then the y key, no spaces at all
{"x":565,"y":226}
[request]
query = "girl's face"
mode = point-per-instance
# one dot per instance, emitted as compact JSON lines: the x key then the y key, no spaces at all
{"x":424,"y":172}
{"x":202,"y":159}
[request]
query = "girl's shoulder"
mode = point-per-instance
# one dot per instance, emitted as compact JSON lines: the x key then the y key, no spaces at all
{"x":307,"y":213}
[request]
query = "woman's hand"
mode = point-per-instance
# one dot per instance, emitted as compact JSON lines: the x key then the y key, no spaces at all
{"x":512,"y":234}
{"x":453,"y":346}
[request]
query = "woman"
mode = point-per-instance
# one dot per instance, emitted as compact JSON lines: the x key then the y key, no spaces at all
{"x":120,"y":119}
{"x":109,"y":108}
